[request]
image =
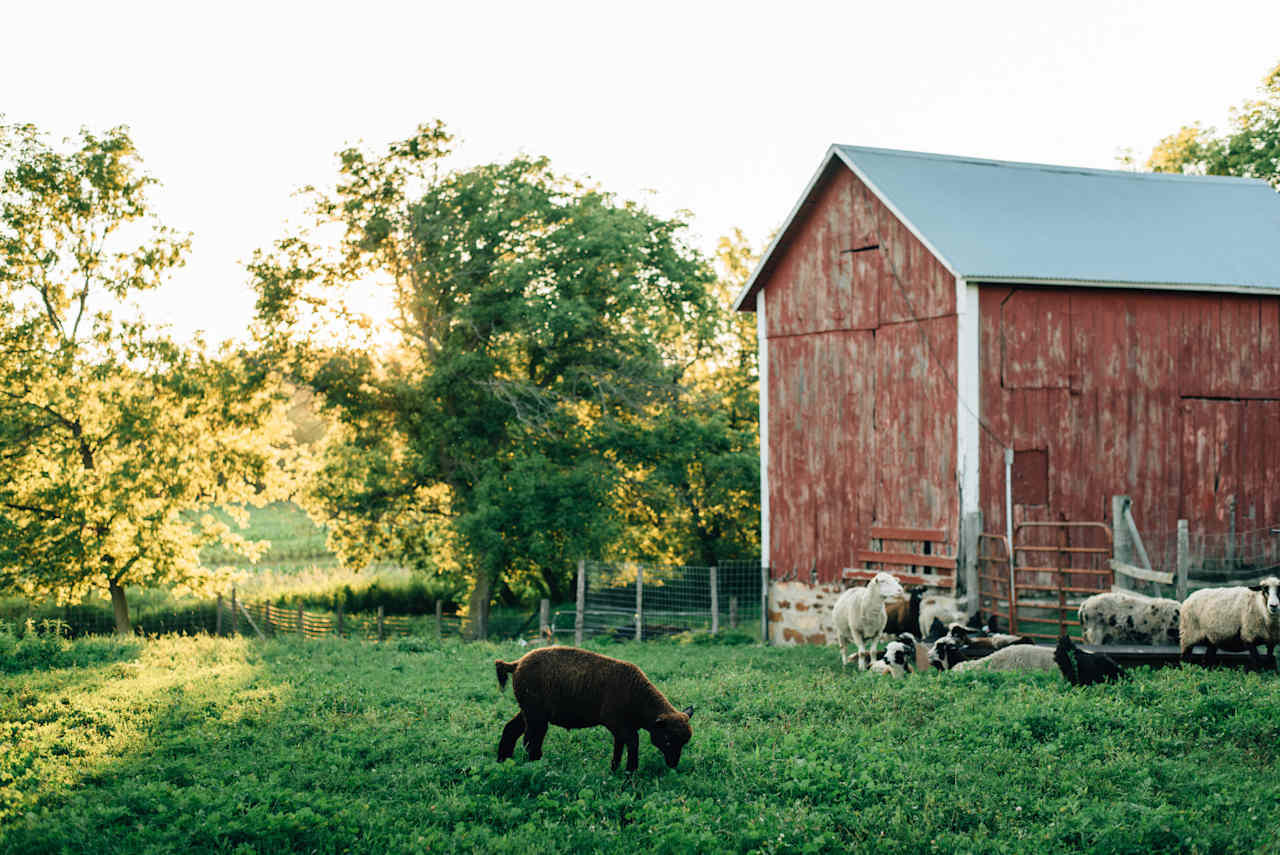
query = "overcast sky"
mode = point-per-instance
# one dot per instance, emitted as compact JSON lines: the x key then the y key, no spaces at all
{"x":723,"y":109}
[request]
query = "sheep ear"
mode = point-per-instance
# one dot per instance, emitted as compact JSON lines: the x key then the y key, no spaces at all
{"x":688,"y":711}
{"x":1258,"y":588}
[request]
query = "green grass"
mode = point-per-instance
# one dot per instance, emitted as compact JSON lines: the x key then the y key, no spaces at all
{"x":211,"y":745}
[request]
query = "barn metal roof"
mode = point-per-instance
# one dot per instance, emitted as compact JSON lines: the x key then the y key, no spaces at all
{"x":1000,"y":221}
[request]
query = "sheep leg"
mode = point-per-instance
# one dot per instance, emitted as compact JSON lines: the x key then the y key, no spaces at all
{"x":535,"y":732}
{"x":633,"y":751}
{"x":618,"y":742}
{"x":1254,"y":659}
{"x":1210,"y":655}
{"x":510,"y":733}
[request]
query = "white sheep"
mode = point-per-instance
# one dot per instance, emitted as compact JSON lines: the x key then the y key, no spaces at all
{"x":947,"y":610}
{"x":1018,"y":657}
{"x":1121,"y":617}
{"x":1231,"y":617}
{"x":860,"y":617}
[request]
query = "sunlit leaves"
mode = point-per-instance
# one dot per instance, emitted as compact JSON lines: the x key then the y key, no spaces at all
{"x":113,"y":437}
{"x":1250,"y":149}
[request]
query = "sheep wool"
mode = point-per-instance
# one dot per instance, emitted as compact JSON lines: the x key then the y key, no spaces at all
{"x":1232,"y":617}
{"x":1118,"y":617}
{"x":573,"y":688}
{"x":859,"y":616}
{"x":1018,"y":657}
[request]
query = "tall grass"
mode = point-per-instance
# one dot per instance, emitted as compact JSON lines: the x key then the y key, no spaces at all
{"x":209,"y":745}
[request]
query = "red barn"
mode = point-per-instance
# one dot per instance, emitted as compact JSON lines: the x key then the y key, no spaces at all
{"x":919,"y":314}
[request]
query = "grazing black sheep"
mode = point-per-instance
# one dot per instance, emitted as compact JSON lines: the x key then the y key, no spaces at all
{"x":1081,"y":668}
{"x":573,"y":688}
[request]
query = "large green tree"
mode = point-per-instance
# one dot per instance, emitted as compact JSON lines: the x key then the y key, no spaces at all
{"x":1249,"y":149}
{"x":542,"y":335}
{"x":115,"y":442}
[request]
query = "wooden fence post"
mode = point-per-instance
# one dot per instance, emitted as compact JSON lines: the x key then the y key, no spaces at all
{"x":217,"y":621}
{"x":733,"y":612}
{"x":715,"y":602}
{"x":582,"y":602}
{"x":380,"y":623}
{"x":301,"y":634}
{"x":271,"y":628}
{"x":544,"y":618}
{"x":439,"y":619}
{"x":1184,"y":560}
{"x":1121,"y":546}
{"x":341,"y":626}
{"x":235,"y":614}
{"x":639,"y":603}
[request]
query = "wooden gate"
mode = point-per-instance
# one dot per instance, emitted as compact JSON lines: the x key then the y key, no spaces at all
{"x":1056,"y":566}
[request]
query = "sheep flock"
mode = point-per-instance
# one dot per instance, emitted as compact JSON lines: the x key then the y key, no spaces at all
{"x":1239,"y":618}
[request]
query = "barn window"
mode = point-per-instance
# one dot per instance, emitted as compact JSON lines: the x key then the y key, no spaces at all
{"x":1031,"y":477}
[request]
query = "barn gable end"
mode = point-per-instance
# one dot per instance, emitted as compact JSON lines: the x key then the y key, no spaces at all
{"x":921,"y":315}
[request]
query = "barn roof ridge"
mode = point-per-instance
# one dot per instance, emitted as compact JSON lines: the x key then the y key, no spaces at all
{"x":1049,"y":167}
{"x":1009,"y":221}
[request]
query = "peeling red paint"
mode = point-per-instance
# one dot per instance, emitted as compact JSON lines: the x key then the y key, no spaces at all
{"x":861,"y":419}
{"x":817,"y":638}
{"x":1172,"y":398}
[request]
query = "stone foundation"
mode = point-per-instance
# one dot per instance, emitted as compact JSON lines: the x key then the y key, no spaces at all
{"x":800,"y":613}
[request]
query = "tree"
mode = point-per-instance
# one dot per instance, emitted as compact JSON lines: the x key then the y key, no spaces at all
{"x":1251,"y":149}
{"x":115,"y":442}
{"x":538,"y":325}
{"x":696,"y":496}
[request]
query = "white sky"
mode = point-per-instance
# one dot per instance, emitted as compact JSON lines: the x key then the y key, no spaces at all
{"x":723,"y":109}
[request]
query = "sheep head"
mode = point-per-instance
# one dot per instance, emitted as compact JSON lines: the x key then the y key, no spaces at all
{"x":887,"y":585}
{"x":1270,"y":590}
{"x":670,"y":733}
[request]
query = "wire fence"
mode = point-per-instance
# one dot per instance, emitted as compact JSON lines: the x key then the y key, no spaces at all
{"x":1217,"y":558}
{"x":632,"y":601}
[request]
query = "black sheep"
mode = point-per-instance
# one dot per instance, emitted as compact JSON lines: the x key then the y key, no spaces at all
{"x":1081,"y":668}
{"x":573,"y":688}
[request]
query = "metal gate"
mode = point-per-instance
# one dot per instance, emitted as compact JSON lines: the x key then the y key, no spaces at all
{"x":1056,"y":566}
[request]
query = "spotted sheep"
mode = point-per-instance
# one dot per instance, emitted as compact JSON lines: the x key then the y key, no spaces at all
{"x":899,"y":657}
{"x":859,"y":616}
{"x":1232,"y":618}
{"x":1120,"y":617}
{"x":574,"y":688}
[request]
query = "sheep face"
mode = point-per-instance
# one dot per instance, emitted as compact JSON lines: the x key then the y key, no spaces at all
{"x":888,"y":586}
{"x":945,"y":653}
{"x":670,"y":733}
{"x":1269,"y":588}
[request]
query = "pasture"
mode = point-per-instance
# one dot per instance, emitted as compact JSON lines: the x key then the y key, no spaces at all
{"x":204,"y":745}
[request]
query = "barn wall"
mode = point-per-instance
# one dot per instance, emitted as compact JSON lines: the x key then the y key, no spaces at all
{"x":1172,"y":398}
{"x":861,"y":402}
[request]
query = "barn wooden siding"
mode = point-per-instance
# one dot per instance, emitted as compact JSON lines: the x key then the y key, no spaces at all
{"x":862,"y":424}
{"x":1170,"y":397}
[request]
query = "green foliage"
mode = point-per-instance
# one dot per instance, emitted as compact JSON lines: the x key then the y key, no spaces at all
{"x":114,"y":440}
{"x":223,"y":745}
{"x":1250,"y":149}
{"x":549,"y":368}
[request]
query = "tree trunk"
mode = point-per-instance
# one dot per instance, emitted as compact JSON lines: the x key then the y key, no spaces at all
{"x":478,"y":610}
{"x":120,"y":607}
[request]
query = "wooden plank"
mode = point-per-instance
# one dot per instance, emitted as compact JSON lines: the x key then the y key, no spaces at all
{"x":1141,"y":572}
{"x":888,"y":533}
{"x":1090,"y":550}
{"x":926,"y":579}
{"x":905,"y":558}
